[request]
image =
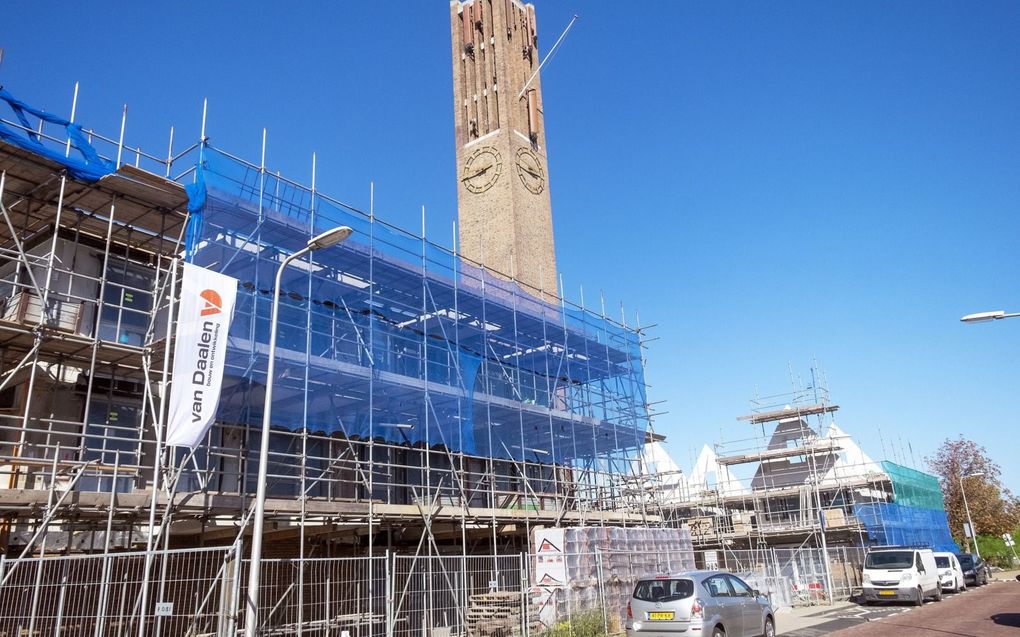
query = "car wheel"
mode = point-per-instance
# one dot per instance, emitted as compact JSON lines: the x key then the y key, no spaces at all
{"x":938,"y":594}
{"x":770,"y":628}
{"x":718,"y":632}
{"x":919,"y":598}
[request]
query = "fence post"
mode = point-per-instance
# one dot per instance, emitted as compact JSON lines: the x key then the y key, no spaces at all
{"x":390,"y":583}
{"x":524,"y":577}
{"x":599,"y":573}
{"x":425,"y":592}
{"x":104,"y":586}
{"x":63,"y":593}
{"x":236,"y":590}
{"x":565,"y":591}
{"x":226,"y":610}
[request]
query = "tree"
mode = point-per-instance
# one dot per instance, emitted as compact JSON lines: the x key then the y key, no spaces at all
{"x":993,"y":508}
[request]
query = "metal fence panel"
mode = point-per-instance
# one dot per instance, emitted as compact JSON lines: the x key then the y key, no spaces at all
{"x":443,"y":596}
{"x":100,"y":595}
{"x":201,"y":591}
{"x":322,"y":596}
{"x":792,"y":576}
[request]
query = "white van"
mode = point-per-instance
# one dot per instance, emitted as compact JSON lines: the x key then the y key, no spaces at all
{"x":901,"y":574}
{"x":950,"y":572}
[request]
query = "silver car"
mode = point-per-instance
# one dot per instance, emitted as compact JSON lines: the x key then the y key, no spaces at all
{"x":698,"y":603}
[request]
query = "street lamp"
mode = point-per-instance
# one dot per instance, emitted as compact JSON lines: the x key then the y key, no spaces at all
{"x":970,"y":522}
{"x":251,"y":618}
{"x":984,"y":317}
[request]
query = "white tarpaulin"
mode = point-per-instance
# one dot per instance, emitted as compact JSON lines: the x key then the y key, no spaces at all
{"x":203,"y":320}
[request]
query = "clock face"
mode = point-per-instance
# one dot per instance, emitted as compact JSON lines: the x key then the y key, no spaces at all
{"x":529,"y":169}
{"x":482,"y":169}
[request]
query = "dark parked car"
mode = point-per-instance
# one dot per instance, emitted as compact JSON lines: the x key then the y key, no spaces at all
{"x":975,"y":571}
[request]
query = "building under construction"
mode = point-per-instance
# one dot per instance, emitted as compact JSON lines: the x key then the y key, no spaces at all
{"x":427,"y":402}
{"x":412,"y":383}
{"x":798,"y":480}
{"x":435,"y":408}
{"x":415,"y":387}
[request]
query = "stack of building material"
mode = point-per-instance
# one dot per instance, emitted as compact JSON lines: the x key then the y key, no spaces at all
{"x":742,"y":521}
{"x":494,"y":614}
{"x":835,"y":518}
{"x":578,"y":569}
{"x":701,"y":528}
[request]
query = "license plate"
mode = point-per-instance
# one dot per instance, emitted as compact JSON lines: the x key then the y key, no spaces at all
{"x":663,"y":615}
{"x":889,"y":593}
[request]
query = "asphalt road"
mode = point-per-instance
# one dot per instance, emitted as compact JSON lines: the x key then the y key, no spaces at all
{"x":987,"y":611}
{"x":826,"y":621}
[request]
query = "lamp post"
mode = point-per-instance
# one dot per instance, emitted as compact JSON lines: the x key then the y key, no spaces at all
{"x":984,"y":317}
{"x":251,"y":617}
{"x":970,"y":522}
{"x":980,"y":317}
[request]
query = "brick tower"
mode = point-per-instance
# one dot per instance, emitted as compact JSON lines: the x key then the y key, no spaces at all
{"x":503,"y":179}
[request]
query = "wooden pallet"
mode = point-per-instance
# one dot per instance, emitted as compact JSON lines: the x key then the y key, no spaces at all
{"x":495,"y":614}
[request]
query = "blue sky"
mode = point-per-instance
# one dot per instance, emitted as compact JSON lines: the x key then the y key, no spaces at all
{"x":772,"y":184}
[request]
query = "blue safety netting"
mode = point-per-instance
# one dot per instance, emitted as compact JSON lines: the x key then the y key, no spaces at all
{"x":89,"y":166}
{"x":888,"y":523}
{"x":390,"y":337}
{"x":916,"y":517}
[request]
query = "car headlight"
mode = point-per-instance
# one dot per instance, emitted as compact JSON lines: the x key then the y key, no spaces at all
{"x":867,"y":578}
{"x":906,"y":577}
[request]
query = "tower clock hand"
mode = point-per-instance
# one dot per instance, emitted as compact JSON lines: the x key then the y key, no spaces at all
{"x":531,"y":172}
{"x":480,"y":172}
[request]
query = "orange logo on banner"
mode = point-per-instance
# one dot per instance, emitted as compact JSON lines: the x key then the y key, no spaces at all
{"x":548,"y":546}
{"x":213,"y":302}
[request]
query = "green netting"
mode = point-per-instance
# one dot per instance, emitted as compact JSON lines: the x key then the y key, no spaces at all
{"x":914,"y":488}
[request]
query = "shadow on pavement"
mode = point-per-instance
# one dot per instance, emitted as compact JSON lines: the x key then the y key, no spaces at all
{"x":1007,"y":619}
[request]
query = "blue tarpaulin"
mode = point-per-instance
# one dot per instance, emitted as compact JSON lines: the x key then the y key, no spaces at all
{"x":90,"y":167}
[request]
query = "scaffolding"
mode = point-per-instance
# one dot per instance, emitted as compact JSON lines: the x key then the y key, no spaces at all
{"x":801,"y":481}
{"x":422,"y":402}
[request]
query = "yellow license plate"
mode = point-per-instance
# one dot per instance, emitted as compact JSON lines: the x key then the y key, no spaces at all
{"x":661,"y":615}
{"x":887,"y":593}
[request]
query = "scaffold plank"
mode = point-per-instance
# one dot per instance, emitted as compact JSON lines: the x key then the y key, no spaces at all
{"x":797,"y":411}
{"x":766,"y":455}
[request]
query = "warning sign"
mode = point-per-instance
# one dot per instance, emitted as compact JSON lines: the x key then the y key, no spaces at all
{"x":550,"y":563}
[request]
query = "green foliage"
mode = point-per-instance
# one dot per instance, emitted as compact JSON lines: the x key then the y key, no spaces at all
{"x":588,"y":623}
{"x":963,"y":464}
{"x":994,"y":550}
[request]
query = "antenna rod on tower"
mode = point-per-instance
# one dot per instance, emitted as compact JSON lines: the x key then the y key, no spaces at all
{"x":547,"y":56}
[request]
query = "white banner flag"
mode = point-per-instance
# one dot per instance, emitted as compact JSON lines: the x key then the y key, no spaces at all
{"x":203,"y":320}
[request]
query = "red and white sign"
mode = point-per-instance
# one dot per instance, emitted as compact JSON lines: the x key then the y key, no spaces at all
{"x":203,"y":321}
{"x":550,"y":562}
